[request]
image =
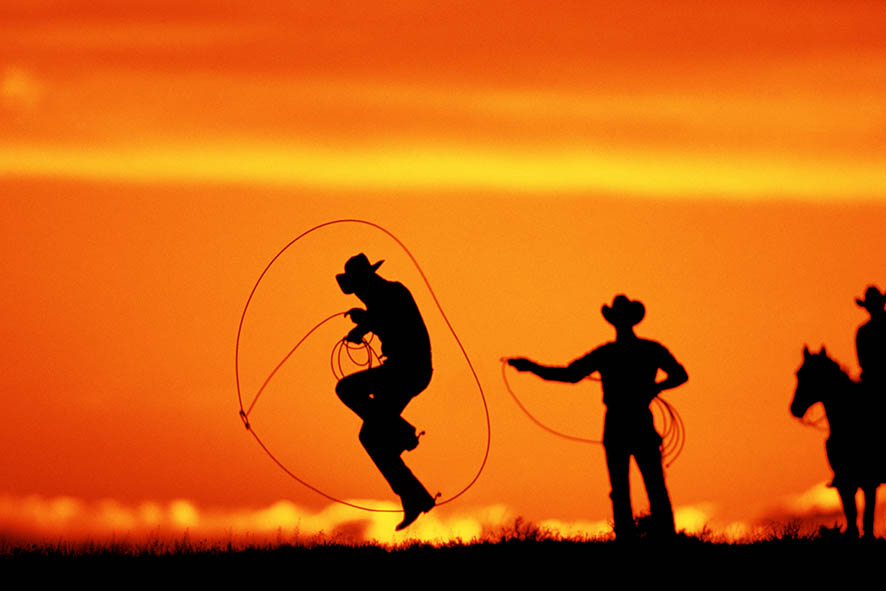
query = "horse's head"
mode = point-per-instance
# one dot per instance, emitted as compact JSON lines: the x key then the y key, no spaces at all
{"x":815,"y":380}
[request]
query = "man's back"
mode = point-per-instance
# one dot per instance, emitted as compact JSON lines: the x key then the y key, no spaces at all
{"x":871,"y":347}
{"x":399,"y":325}
{"x":870,"y":340}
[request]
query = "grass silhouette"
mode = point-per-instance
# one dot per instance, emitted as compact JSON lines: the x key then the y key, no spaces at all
{"x":514,"y":554}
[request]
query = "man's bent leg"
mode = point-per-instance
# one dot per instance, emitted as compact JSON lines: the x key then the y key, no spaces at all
{"x":373,"y":397}
{"x":384,"y":447}
{"x":357,"y":391}
{"x":618,"y":461}
{"x":385,"y":452}
{"x":649,"y":462}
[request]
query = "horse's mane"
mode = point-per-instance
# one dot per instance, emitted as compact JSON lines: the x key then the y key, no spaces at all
{"x":832,"y":366}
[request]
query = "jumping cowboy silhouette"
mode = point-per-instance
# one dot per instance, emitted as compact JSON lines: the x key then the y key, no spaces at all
{"x":628,"y":368}
{"x":378,"y":395}
{"x":870,"y":344}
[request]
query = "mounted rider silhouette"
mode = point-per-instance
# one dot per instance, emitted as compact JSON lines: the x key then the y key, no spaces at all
{"x":870,"y":344}
{"x":378,"y":395}
{"x":628,"y":368}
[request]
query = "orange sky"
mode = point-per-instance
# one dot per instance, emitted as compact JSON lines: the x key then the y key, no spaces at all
{"x":724,"y":165}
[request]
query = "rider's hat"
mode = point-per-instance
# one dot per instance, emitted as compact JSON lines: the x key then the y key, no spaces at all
{"x":624,"y":312}
{"x":357,"y":270}
{"x":873,"y":299}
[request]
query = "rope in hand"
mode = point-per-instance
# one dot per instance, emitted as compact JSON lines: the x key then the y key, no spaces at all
{"x":504,"y":377}
{"x":345,"y":346}
{"x":817,"y":424}
{"x":336,"y":359}
{"x":673,"y":433}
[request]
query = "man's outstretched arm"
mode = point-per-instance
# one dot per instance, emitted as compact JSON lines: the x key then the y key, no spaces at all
{"x":572,"y":373}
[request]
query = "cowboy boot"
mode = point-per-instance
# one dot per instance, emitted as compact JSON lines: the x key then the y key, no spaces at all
{"x":414,"y":505}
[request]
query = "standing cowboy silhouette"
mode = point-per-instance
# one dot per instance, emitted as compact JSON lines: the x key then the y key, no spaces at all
{"x":378,"y":395}
{"x":628,"y":368}
{"x":870,"y":344}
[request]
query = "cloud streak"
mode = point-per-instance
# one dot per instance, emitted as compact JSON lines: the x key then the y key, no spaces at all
{"x":455,"y":168}
{"x":39,"y":519}
{"x":46,"y":519}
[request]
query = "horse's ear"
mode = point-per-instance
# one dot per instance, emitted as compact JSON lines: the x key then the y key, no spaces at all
{"x":805,"y":352}
{"x":823,"y":351}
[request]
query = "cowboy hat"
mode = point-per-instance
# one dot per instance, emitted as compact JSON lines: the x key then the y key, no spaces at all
{"x":357,"y":269}
{"x":873,"y":299}
{"x":624,"y":311}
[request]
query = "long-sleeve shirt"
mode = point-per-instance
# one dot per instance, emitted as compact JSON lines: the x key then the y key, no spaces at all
{"x":394,"y":318}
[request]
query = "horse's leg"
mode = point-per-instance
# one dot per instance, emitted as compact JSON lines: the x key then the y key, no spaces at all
{"x":870,"y":504}
{"x":847,"y":495}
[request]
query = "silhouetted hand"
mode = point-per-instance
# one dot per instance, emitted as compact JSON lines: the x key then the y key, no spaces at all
{"x":520,"y":363}
{"x":358,"y":315}
{"x":355,"y":336}
{"x":654,"y":391}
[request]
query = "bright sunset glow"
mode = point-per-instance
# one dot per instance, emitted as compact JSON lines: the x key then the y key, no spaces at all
{"x":460,"y":168}
{"x":725,"y":164}
{"x":41,"y":518}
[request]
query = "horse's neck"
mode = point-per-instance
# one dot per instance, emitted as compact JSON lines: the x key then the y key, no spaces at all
{"x":840,"y":402}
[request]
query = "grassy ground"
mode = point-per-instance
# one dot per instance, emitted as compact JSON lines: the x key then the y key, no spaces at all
{"x":517,"y":557}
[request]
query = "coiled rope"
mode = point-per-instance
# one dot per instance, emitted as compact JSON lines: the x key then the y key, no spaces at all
{"x":335,"y":362}
{"x":345,"y":347}
{"x":673,"y":433}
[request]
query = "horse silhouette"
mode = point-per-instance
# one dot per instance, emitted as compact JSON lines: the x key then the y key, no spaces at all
{"x":856,"y":450}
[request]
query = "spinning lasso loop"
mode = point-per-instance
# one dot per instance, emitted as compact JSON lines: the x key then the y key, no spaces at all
{"x":337,"y":369}
{"x":673,"y":433}
{"x":504,"y":377}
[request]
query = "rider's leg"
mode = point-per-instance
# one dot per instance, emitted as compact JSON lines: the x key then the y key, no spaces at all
{"x":847,"y":496}
{"x":870,"y":504}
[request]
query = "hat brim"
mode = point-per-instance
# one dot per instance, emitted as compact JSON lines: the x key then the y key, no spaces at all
{"x":870,"y":303}
{"x":629,"y":314}
{"x":347,"y":281}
